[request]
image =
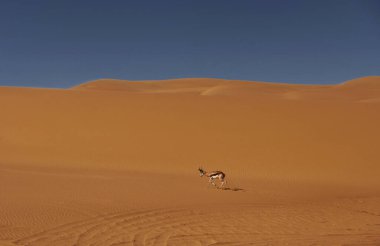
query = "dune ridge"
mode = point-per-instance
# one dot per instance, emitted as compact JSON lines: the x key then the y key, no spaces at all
{"x":212,"y":87}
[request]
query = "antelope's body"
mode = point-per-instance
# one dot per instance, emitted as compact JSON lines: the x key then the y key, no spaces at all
{"x":213,"y":175}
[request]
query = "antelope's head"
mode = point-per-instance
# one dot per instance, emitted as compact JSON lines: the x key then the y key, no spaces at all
{"x":201,"y":172}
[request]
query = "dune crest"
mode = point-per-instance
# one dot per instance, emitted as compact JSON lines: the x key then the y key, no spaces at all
{"x":369,"y":82}
{"x":216,"y":87}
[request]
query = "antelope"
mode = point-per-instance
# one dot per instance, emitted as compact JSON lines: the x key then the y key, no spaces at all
{"x":213,"y":175}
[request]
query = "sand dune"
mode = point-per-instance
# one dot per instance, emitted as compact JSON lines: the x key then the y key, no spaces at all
{"x":113,"y":162}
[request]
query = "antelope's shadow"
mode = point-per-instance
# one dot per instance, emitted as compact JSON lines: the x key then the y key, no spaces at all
{"x":231,"y":188}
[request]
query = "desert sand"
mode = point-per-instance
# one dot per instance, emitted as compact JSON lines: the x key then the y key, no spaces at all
{"x":114,"y":162}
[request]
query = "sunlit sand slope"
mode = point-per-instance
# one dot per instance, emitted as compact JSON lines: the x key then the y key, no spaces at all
{"x":113,"y":162}
{"x":311,"y":132}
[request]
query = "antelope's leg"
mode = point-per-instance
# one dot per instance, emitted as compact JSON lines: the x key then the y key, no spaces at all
{"x":211,"y":181}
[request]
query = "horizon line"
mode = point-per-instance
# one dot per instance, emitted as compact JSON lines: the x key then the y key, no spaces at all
{"x":189,"y":78}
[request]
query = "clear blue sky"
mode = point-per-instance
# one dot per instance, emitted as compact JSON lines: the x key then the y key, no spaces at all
{"x":60,"y":43}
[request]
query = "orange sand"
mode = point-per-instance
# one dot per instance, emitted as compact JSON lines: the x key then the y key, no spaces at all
{"x":114,"y":162}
